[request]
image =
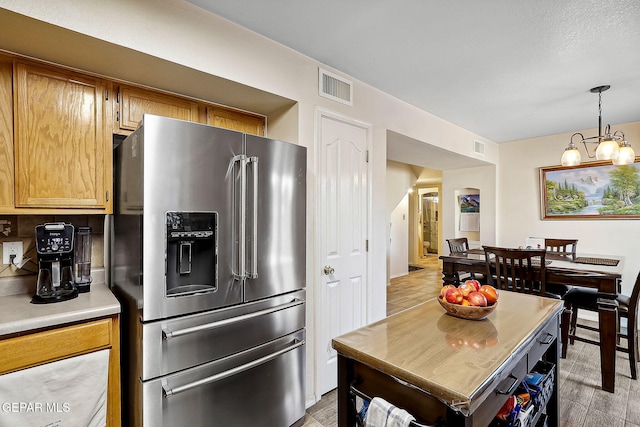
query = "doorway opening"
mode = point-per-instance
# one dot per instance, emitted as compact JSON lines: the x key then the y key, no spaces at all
{"x":429,"y":212}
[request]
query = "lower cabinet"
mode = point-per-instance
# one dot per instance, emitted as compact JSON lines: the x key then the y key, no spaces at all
{"x":37,"y":349}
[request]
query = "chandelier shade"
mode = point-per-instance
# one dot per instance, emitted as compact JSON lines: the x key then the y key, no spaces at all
{"x":571,"y":156}
{"x":607,"y":149}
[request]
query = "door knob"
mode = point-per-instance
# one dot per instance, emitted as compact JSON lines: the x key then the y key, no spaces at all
{"x":328,"y":270}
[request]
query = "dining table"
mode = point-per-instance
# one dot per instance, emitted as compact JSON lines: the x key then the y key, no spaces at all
{"x":601,"y":272}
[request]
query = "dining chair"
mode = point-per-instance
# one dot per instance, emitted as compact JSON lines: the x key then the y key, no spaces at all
{"x":564,"y":247}
{"x":460,"y":245}
{"x":587,"y":299}
{"x":524,"y":271}
{"x":513,"y":269}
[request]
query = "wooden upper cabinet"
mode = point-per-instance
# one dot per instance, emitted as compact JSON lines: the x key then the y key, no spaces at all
{"x":234,"y":120}
{"x":134,"y":102}
{"x":6,"y":136}
{"x":62,"y":144}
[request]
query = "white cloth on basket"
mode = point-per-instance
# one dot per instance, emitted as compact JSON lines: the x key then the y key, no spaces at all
{"x":383,"y":414}
{"x":68,"y":393}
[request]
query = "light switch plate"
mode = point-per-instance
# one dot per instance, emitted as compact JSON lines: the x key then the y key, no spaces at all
{"x":11,"y":248}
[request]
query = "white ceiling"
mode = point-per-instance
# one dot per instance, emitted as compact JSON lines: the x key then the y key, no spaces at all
{"x":504,"y":69}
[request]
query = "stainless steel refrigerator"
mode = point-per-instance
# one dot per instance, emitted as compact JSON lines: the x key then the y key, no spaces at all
{"x":208,"y":262}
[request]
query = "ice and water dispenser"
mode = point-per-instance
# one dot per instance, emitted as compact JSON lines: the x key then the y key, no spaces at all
{"x":191,"y":262}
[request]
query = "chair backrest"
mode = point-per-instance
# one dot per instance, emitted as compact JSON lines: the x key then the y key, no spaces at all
{"x":633,"y":303}
{"x":562,"y":246}
{"x":517,"y":270}
{"x":458,"y":245}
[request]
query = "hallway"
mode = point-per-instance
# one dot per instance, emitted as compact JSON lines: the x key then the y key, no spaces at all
{"x":416,"y":287}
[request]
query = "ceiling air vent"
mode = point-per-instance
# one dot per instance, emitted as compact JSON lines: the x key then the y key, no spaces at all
{"x":334,"y":87}
{"x":478,"y":147}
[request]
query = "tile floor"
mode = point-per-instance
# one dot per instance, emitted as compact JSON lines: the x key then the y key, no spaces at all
{"x":582,"y":402}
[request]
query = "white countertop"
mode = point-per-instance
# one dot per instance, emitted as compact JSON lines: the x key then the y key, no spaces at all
{"x":18,"y":315}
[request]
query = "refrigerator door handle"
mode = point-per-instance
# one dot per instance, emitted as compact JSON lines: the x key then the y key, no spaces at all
{"x":166,"y":335}
{"x":239,"y":219}
{"x":168,"y":392}
{"x":252,"y":273}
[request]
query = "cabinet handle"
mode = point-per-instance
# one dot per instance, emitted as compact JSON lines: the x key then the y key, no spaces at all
{"x":548,"y":339}
{"x":512,"y":387}
{"x":107,"y":195}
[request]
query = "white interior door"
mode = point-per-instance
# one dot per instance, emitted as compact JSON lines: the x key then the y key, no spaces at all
{"x":342,"y":234}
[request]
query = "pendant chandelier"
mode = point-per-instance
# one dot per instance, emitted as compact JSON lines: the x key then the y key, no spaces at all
{"x":610,"y":146}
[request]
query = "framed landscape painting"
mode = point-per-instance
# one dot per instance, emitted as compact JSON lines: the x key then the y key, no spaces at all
{"x":597,"y":190}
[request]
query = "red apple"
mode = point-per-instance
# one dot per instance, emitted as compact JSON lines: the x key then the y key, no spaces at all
{"x":474,"y":283}
{"x":444,"y":289}
{"x":490,"y":293}
{"x":465,"y":289}
{"x":453,"y":296}
{"x":477,"y":299}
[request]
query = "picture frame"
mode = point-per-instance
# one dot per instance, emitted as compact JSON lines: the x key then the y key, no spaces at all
{"x":595,"y":190}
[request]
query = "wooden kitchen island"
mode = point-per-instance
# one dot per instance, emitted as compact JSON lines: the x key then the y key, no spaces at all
{"x":441,"y":367}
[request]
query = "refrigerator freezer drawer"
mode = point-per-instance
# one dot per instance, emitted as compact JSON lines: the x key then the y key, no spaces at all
{"x":260,"y":386}
{"x":172,"y":345}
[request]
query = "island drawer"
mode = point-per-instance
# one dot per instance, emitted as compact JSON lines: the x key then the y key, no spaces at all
{"x":542,"y":341}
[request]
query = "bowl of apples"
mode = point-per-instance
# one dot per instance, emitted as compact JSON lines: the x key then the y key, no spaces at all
{"x":470,"y":300}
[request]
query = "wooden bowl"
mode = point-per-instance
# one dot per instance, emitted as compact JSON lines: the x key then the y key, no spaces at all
{"x":465,"y":311}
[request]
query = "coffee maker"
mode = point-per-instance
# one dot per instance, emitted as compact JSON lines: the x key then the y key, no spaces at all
{"x":54,"y":246}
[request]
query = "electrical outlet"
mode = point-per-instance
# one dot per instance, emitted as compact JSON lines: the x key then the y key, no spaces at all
{"x":11,"y":248}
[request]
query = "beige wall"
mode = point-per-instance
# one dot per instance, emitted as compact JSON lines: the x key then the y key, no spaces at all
{"x":206,"y":45}
{"x":400,"y":178}
{"x":399,"y":239}
{"x":455,"y":181}
{"x":518,"y":202}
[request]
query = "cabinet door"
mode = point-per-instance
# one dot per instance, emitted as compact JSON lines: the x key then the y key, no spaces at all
{"x":136,"y":102}
{"x":62,"y":146}
{"x":6,"y":137}
{"x":235,"y":120}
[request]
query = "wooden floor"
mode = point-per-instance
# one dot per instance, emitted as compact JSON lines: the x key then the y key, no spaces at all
{"x":582,"y":401}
